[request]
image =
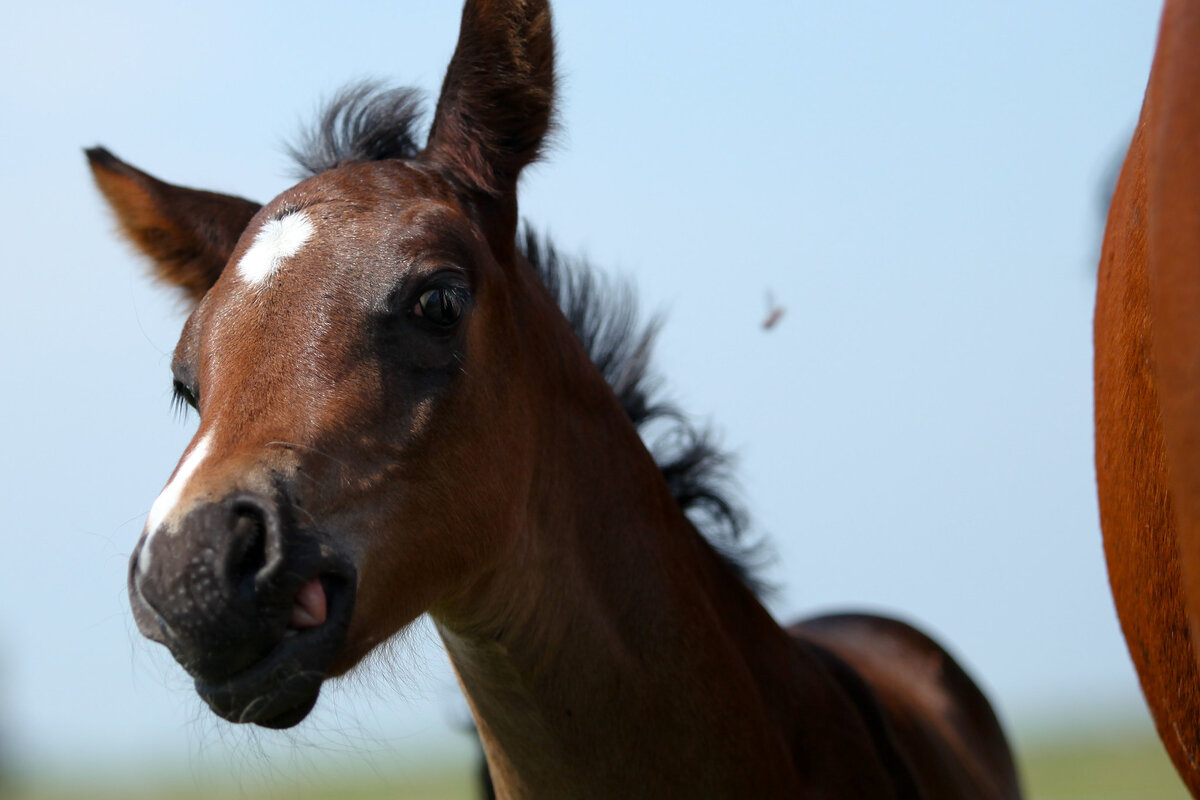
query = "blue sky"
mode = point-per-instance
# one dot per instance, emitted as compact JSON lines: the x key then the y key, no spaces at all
{"x":916,"y":185}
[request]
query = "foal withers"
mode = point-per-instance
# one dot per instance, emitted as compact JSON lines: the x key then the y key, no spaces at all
{"x":396,"y":418}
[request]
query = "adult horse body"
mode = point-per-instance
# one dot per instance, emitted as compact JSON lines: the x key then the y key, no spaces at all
{"x":1147,"y":403}
{"x":396,"y":418}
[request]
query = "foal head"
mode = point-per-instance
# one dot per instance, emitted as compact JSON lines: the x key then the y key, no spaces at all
{"x":359,"y":351}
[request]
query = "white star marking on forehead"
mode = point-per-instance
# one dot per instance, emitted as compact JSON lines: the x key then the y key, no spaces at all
{"x":276,"y":241}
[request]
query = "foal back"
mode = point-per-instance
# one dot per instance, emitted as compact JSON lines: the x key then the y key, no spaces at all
{"x":934,"y":730}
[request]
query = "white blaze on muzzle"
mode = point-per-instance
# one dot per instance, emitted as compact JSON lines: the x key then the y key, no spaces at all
{"x":164,"y":509}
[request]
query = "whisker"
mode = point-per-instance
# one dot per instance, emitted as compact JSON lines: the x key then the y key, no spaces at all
{"x":305,"y":512}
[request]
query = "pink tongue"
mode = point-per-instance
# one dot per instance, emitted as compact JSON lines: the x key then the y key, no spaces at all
{"x":309,"y":610}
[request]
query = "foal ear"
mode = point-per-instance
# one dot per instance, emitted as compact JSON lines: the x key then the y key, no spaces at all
{"x":497,"y":99}
{"x":187,"y":234}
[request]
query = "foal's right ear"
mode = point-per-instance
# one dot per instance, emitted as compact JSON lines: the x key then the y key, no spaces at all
{"x":188,"y":234}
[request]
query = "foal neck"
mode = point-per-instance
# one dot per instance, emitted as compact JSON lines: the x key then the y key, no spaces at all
{"x":612,"y":644}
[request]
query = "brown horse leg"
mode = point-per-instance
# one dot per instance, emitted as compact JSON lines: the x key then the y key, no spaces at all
{"x":939,"y":720}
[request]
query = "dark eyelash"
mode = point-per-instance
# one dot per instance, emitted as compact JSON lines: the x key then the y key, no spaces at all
{"x":182,"y":400}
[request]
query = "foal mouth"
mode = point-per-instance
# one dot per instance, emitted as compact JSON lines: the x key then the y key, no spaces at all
{"x":281,"y":688}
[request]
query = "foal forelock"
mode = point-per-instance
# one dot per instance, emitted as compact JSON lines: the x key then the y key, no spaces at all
{"x":363,"y":122}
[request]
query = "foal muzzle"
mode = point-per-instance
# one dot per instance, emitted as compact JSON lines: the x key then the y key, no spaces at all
{"x":224,"y":588}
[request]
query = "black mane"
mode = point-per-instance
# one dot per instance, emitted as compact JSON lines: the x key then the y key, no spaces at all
{"x":365,"y":122}
{"x":604,"y":316}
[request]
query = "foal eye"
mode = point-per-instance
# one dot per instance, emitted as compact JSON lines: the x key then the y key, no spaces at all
{"x":183,"y":396}
{"x":441,"y":305}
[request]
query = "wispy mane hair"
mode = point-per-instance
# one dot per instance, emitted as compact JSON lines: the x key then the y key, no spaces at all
{"x":604,"y":316}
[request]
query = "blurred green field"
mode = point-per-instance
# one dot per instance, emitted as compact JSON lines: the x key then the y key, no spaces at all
{"x":1104,"y":766}
{"x":440,"y":783}
{"x":1101,"y":767}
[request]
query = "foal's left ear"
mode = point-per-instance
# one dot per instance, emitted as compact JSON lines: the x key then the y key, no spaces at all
{"x":497,"y":99}
{"x":188,"y":234}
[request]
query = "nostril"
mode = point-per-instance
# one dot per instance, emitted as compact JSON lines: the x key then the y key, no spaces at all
{"x":254,"y":549}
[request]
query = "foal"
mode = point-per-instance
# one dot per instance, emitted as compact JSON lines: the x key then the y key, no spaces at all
{"x":396,"y":419}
